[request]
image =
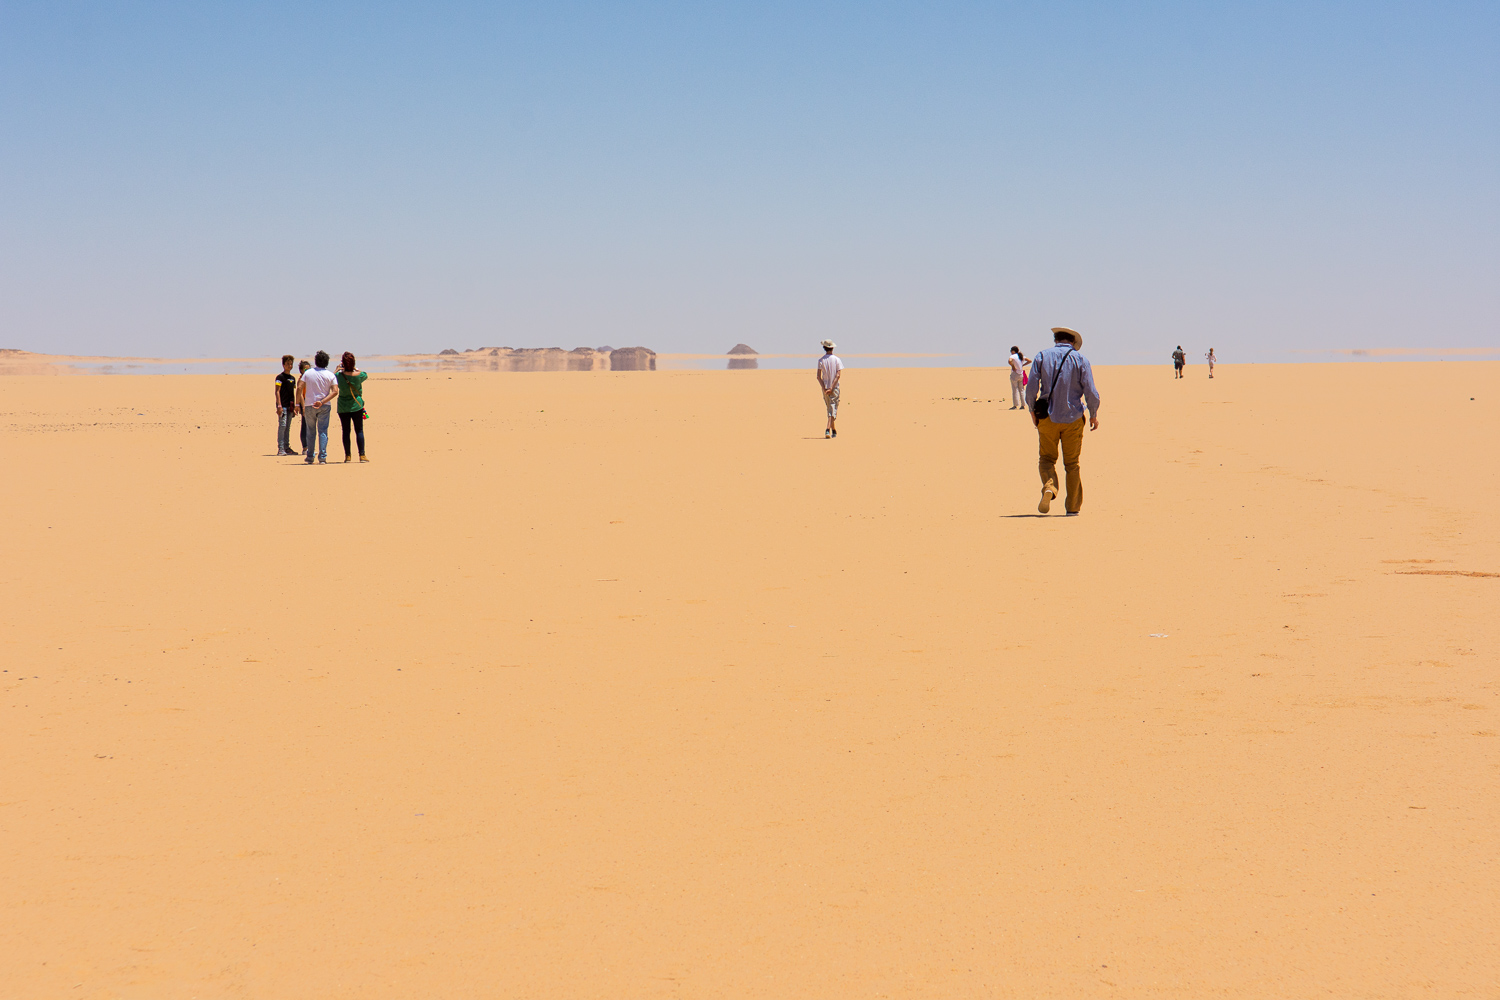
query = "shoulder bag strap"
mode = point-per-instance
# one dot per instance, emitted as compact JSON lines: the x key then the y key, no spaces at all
{"x":1058,"y":374}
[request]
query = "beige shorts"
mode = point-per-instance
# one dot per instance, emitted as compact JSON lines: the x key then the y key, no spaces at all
{"x":831,"y":400}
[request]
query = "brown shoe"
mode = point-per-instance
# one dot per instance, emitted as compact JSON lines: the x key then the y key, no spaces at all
{"x":363,"y":459}
{"x":1048,"y":495}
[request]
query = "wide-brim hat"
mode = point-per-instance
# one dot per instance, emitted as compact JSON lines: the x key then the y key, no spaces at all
{"x":1074,"y":334}
{"x":829,"y":345}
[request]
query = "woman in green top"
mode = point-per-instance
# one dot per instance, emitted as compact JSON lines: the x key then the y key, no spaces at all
{"x":352,"y":403}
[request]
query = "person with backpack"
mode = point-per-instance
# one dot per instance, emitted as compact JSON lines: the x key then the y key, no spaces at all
{"x":1178,"y":360}
{"x":1061,"y":381}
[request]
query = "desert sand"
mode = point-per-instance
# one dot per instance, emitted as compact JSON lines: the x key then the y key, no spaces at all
{"x":613,"y":685}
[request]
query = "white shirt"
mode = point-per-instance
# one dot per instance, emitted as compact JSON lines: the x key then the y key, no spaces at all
{"x":1017,"y":366}
{"x":319,"y":381}
{"x":829,"y":367}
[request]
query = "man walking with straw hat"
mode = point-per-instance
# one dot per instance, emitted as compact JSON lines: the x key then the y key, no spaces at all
{"x":830,"y":368}
{"x":1061,"y":380}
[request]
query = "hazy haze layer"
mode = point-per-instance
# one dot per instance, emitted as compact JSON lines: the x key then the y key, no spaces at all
{"x":235,"y":180}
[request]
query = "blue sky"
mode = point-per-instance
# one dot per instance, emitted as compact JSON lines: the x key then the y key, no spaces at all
{"x":184,"y":179}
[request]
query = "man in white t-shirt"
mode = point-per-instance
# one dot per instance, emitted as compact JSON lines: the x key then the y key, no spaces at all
{"x":317,"y":388}
{"x":829,"y":370}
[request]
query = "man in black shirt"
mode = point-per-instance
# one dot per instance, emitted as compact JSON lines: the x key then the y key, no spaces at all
{"x":286,"y":405}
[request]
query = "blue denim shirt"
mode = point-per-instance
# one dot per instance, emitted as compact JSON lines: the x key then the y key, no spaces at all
{"x":1074,"y":385}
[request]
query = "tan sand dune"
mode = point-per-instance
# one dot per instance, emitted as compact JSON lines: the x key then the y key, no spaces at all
{"x":631,"y":685}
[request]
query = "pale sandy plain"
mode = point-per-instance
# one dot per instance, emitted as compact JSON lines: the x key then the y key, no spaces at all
{"x":616,"y":685}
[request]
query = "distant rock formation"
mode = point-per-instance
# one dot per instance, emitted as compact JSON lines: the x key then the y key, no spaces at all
{"x":632,"y":359}
{"x":538,"y":359}
{"x":583,"y":359}
{"x":742,"y":358}
{"x":544,"y":359}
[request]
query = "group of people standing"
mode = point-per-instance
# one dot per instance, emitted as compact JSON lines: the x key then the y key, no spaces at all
{"x":1179,"y":360}
{"x":313,"y":393}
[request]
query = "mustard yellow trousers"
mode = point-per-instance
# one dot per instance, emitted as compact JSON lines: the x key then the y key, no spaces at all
{"x":1068,"y":438}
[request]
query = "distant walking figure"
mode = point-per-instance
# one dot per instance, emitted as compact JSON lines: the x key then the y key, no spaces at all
{"x":286,"y":406}
{"x":830,"y":368}
{"x":351,"y":403}
{"x":1068,"y":379}
{"x":318,"y":390}
{"x":1211,"y":361}
{"x":1018,"y":363}
{"x":1178,"y":360}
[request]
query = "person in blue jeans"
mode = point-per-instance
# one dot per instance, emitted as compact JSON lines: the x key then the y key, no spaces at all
{"x":286,"y":406}
{"x":302,"y":367}
{"x":318,"y":390}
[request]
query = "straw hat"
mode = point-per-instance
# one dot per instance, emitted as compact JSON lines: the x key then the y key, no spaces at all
{"x":1077,"y":337}
{"x":829,"y":345}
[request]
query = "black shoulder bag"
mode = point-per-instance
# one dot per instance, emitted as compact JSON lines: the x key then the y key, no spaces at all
{"x":1042,"y":406}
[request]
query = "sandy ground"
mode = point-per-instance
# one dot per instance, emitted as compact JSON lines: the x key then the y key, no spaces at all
{"x":631,"y":685}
